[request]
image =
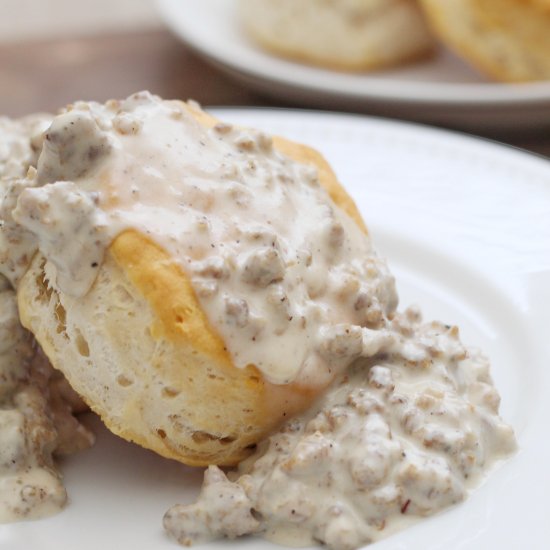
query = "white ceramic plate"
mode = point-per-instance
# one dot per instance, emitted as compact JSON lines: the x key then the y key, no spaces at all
{"x":442,"y":90}
{"x":465,"y":225}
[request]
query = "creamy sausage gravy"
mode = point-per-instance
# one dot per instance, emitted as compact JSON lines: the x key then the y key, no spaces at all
{"x":410,"y":423}
{"x":298,"y":300}
{"x":36,"y":422}
{"x":36,"y":403}
{"x":401,"y":435}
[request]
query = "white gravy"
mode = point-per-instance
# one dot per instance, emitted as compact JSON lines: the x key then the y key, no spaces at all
{"x":36,"y":404}
{"x":290,"y":282}
{"x":400,"y":436}
{"x":297,"y":299}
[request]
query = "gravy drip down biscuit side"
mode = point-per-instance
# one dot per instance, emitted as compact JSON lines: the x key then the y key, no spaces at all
{"x":29,"y":485}
{"x":36,"y":422}
{"x":282,"y":286}
{"x":36,"y":403}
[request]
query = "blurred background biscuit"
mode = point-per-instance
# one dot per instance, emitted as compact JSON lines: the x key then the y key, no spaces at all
{"x":342,"y":34}
{"x":507,"y":39}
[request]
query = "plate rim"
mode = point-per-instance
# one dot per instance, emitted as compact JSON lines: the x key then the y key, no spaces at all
{"x":408,"y":125}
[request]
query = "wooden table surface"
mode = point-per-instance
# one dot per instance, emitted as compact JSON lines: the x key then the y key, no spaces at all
{"x":43,"y":76}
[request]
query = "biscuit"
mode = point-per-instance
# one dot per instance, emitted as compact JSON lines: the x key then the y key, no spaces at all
{"x":508,"y":40}
{"x":344,"y":34}
{"x":142,"y":353}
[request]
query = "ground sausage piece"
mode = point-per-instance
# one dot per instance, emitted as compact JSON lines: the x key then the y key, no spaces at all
{"x":263,"y":267}
{"x":228,"y":514}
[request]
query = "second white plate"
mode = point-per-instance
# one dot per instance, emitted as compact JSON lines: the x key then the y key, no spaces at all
{"x":440,"y":90}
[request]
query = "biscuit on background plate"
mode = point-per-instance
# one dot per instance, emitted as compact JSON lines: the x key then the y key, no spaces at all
{"x":344,"y":34}
{"x":509,"y":40}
